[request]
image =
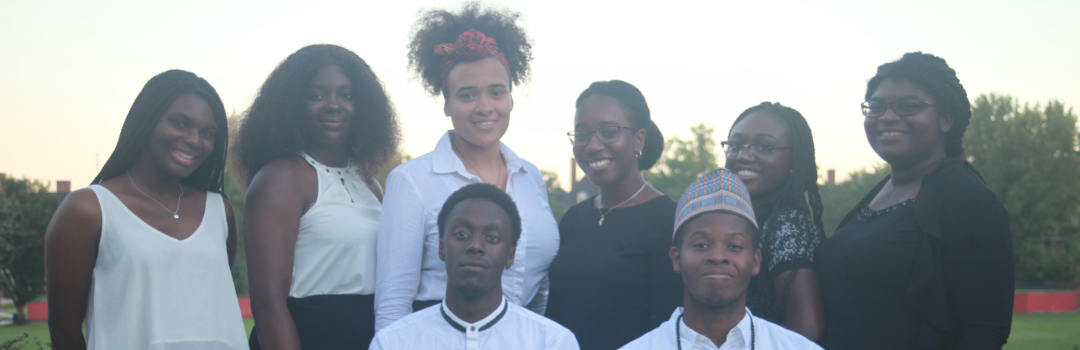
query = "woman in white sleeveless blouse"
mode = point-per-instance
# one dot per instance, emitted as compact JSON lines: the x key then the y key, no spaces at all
{"x":320,"y":126}
{"x":144,"y":254}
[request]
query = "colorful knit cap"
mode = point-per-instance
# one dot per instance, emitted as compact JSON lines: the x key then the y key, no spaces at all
{"x":471,"y":45}
{"x":719,"y":190}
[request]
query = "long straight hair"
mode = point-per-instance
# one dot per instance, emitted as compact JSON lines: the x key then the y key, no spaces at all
{"x":153,"y":101}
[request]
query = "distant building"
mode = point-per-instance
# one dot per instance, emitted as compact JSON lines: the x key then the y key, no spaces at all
{"x":579,"y":190}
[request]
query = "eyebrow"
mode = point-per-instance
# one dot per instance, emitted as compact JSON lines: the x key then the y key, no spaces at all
{"x":758,"y":136}
{"x":898,"y":99}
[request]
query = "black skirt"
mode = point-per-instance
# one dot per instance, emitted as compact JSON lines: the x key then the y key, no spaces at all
{"x":330,"y":321}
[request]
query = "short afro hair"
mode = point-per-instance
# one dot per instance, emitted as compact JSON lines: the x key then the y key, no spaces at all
{"x":488,"y":192}
{"x":440,"y":26}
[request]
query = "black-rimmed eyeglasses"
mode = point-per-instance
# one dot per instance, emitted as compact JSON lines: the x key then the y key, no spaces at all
{"x":734,"y":149}
{"x":607,"y":134}
{"x":902,"y":108}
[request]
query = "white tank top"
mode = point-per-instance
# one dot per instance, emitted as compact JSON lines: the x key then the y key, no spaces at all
{"x":335,"y":247}
{"x":152,"y":291}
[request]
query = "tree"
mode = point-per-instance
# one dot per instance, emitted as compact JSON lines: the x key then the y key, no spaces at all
{"x":683,"y":162}
{"x":555,"y":192}
{"x":237,"y":193}
{"x":837,"y":200}
{"x":1028,"y":156}
{"x":26,"y":206}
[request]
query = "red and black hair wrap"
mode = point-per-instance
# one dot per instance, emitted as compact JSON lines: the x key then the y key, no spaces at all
{"x":471,"y":45}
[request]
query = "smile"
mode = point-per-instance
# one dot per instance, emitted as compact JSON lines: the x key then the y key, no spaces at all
{"x":183,"y":155}
{"x":746,"y":172}
{"x":892,"y":133}
{"x":484,"y":125}
{"x":599,"y":163}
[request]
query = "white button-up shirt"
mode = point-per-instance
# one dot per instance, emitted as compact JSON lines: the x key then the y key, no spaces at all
{"x":766,"y":335}
{"x":508,"y":327}
{"x":408,"y":267}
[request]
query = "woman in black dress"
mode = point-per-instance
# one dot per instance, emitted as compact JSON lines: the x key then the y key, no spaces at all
{"x":771,"y":148}
{"x":612,"y":280}
{"x":925,"y":259}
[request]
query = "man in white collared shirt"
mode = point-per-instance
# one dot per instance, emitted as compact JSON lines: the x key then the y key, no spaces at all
{"x":479,"y":228}
{"x":715,"y":249}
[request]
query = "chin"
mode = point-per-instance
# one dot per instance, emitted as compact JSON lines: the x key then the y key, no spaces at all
{"x":471,"y":291}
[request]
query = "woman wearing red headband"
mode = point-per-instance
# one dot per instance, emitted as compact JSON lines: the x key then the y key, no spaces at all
{"x":473,"y":58}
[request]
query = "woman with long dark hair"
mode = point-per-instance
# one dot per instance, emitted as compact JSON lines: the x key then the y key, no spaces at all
{"x":924,"y":261}
{"x":144,"y":254}
{"x":612,"y":280}
{"x":473,"y":58}
{"x":771,"y":149}
{"x":319,"y":127}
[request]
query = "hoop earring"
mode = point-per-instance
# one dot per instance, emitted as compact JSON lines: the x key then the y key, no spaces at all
{"x":637,"y":154}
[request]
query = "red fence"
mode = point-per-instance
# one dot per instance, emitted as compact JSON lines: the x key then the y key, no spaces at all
{"x":1046,"y":301}
{"x":39,"y":310}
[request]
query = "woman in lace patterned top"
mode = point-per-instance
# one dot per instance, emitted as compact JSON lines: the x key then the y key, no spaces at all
{"x":771,"y":148}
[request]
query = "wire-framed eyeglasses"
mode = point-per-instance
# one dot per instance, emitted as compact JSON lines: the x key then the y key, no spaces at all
{"x":902,"y":108}
{"x":607,"y":134}
{"x":734,"y":149}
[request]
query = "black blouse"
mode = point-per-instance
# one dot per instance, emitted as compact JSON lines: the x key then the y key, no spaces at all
{"x":935,"y":272}
{"x":788,"y":241}
{"x":611,"y":284}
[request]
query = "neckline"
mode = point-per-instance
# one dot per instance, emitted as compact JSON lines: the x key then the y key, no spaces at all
{"x":202,"y":220}
{"x":866,"y":212}
{"x":746,"y":321}
{"x":488,"y":321}
{"x":592,"y":202}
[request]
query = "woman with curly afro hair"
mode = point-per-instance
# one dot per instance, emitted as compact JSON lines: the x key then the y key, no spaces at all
{"x":319,"y":127}
{"x":924,"y":261}
{"x":473,"y":58}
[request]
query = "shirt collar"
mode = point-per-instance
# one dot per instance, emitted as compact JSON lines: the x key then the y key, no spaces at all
{"x":446,"y":160}
{"x":481,"y":325}
{"x":689,"y":336}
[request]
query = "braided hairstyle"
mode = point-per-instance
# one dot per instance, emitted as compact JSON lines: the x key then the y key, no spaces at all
{"x":274,"y":125}
{"x":940,"y":82}
{"x":153,"y":101}
{"x":799,"y":190}
{"x":439,"y":26}
{"x":637,"y":111}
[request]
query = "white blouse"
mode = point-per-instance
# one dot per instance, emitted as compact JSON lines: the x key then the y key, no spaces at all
{"x":408,"y":267}
{"x":335,"y":247}
{"x":508,"y":327}
{"x":152,"y":291}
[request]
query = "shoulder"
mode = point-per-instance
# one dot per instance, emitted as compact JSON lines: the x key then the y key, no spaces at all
{"x":778,"y":337}
{"x":285,"y":170}
{"x":648,"y":341}
{"x":957,"y":191}
{"x":531,"y":319}
{"x":82,"y":204}
{"x":409,"y":324}
{"x":421,"y":164}
{"x":797,"y":218}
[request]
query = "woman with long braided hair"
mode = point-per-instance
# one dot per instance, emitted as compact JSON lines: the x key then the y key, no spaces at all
{"x":771,"y":148}
{"x":924,"y":261}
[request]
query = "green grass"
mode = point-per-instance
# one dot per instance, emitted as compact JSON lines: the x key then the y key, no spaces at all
{"x":1029,"y":331}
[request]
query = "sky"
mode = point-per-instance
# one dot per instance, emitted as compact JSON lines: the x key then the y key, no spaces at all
{"x":69,"y":70}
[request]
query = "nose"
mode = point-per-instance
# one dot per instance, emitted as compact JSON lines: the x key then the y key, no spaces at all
{"x":718,"y":257}
{"x":745,"y":155}
{"x":594,"y":144}
{"x":484,"y":105}
{"x":476,"y":246}
{"x":333,"y":103}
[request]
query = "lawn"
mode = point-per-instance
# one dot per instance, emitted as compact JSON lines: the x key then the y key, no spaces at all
{"x":1029,"y":331}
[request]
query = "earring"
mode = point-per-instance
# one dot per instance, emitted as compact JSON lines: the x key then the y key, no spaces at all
{"x":637,"y":154}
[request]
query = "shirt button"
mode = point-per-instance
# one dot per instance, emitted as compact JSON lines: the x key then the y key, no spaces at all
{"x":472,"y":329}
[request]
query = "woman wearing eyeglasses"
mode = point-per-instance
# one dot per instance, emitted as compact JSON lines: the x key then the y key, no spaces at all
{"x":771,"y":148}
{"x":925,"y":259}
{"x":612,"y":280}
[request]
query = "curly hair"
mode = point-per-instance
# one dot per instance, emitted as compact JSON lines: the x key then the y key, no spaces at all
{"x":273,"y":127}
{"x":800,"y":189}
{"x":633,"y":101}
{"x":153,"y":101}
{"x":940,"y":82}
{"x":438,"y":26}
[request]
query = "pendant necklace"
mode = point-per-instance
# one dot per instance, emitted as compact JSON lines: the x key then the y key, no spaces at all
{"x":176,"y":213}
{"x":603,"y":214}
{"x":678,"y":339}
{"x":469,"y":164}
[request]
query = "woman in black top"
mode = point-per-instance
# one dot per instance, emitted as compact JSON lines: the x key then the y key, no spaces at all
{"x":612,"y":280}
{"x":771,"y":148}
{"x":925,"y":260}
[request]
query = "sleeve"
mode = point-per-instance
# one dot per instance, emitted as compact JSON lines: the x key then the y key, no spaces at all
{"x":567,"y":341}
{"x":794,"y":239}
{"x":977,"y":268}
{"x":539,"y":302}
{"x":377,"y":343}
{"x":399,"y":250}
{"x":666,"y":285}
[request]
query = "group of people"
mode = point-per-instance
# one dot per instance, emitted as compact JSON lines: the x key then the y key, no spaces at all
{"x":462,"y":250}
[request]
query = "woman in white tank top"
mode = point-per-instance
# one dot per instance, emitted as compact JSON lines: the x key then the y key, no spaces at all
{"x":144,"y":254}
{"x":318,"y":128}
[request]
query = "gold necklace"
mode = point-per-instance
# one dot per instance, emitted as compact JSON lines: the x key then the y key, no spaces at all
{"x":469,"y":164}
{"x":602,"y":214}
